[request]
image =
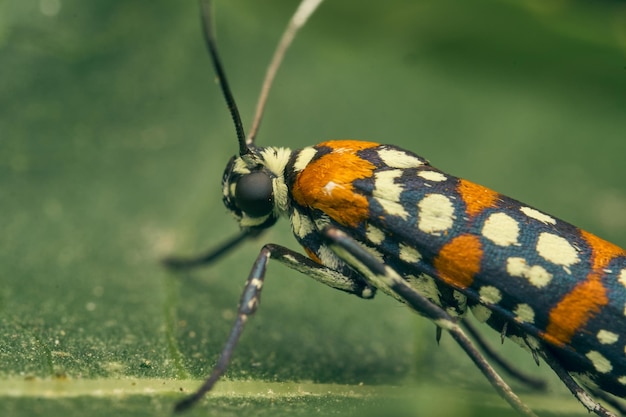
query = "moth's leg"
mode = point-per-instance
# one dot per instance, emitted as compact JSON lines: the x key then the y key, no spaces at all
{"x":176,"y":262}
{"x":579,"y":392}
{"x":610,"y":399}
{"x":380,"y":275}
{"x":530,"y":380}
{"x":251,"y":296}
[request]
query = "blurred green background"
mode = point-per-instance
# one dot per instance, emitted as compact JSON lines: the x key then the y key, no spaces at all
{"x":113,"y":138}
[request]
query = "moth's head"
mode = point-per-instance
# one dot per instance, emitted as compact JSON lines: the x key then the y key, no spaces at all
{"x":251,"y":186}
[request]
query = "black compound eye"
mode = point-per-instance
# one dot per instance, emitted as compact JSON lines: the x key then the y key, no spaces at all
{"x":254,"y":194}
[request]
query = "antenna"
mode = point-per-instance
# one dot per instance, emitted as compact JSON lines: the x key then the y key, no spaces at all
{"x":299,"y":18}
{"x":209,"y":37}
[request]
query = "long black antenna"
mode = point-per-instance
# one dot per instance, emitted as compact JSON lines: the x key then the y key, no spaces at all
{"x":299,"y":18}
{"x":209,"y":37}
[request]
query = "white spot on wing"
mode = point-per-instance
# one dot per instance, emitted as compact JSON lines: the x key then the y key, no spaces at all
{"x":519,"y":341}
{"x":436,"y":214}
{"x":387,"y":192}
{"x":536,"y":274}
{"x":501,"y":229}
{"x":409,"y":254}
{"x":395,"y":158}
{"x":557,"y":250}
{"x":489,"y":295}
{"x":386,"y":187}
{"x":537,"y":215}
{"x":602,"y":364}
{"x":432,"y":176}
{"x":607,"y":338}
{"x":524,"y":313}
{"x":426,"y":286}
{"x":461,"y":300}
{"x":481,"y":312}
{"x":393,"y":208}
{"x":375,"y":235}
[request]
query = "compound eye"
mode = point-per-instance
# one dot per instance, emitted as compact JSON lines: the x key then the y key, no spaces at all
{"x":254,"y":194}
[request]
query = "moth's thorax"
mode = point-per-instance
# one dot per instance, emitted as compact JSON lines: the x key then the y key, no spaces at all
{"x":328,"y":177}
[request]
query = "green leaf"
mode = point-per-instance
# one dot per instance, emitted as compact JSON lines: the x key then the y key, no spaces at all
{"x":113,"y":138}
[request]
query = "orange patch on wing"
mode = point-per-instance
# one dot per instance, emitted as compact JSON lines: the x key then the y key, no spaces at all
{"x":575,"y":309}
{"x":601,"y":251}
{"x":459,"y":261}
{"x":347,"y":145}
{"x":326,"y":183}
{"x":476,"y":197}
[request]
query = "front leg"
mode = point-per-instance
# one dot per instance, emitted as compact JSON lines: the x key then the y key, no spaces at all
{"x":352,"y":284}
{"x":181,"y":262}
{"x":251,"y":297}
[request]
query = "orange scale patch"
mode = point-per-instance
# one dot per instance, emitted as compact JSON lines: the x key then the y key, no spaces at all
{"x":326,"y":183}
{"x":575,"y":309}
{"x":348,"y":145}
{"x":459,"y":261}
{"x":602,"y":252}
{"x":476,"y":197}
{"x":586,"y":300}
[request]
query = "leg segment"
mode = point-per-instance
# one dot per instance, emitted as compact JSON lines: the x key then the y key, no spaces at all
{"x":530,"y":380}
{"x":251,"y":296}
{"x":174,"y":262}
{"x":248,"y":304}
{"x":579,"y":392}
{"x":611,"y":400}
